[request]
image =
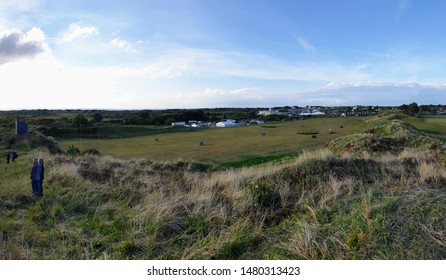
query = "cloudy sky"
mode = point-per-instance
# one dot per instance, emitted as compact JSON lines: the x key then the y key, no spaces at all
{"x":142,"y":54}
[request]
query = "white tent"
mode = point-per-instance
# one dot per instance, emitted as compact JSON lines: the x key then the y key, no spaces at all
{"x":227,"y":123}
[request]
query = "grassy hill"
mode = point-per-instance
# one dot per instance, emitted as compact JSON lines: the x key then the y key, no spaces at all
{"x":375,"y":194}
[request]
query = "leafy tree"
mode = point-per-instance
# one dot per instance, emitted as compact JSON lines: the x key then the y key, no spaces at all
{"x":79,"y":121}
{"x":97,"y":117}
{"x":169,"y":121}
{"x":411,"y":109}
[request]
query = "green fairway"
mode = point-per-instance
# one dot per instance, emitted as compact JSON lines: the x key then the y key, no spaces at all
{"x":226,"y":144}
{"x":431,"y":124}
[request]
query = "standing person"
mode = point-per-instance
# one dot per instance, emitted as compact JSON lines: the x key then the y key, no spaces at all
{"x":42,"y":175}
{"x":35,"y":176}
{"x":8,"y":157}
{"x":14,"y":155}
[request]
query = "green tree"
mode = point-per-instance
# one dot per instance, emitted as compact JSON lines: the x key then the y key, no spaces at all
{"x":97,"y":117}
{"x":169,"y":121}
{"x":79,"y":121}
{"x":412,"y":109}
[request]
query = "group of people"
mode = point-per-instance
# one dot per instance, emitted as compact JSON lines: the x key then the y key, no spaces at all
{"x":37,"y":176}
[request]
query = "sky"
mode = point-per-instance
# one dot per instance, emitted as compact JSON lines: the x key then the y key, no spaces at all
{"x":153,"y":54}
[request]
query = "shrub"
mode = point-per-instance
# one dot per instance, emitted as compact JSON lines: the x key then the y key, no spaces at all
{"x":73,"y":150}
{"x":263,"y":192}
{"x":91,"y":151}
{"x":307,"y":132}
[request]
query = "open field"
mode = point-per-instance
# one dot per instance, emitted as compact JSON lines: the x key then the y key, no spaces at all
{"x":226,"y":144}
{"x":432,"y":124}
{"x":377,"y":194}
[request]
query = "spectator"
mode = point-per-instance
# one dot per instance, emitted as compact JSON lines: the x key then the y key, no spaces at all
{"x":42,"y":175}
{"x":35,"y":176}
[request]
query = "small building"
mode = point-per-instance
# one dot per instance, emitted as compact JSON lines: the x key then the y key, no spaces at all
{"x":178,"y":123}
{"x":441,"y":112}
{"x":308,"y":112}
{"x":21,"y":127}
{"x":254,"y":122}
{"x":269,"y":112}
{"x":197,"y":125}
{"x":227,"y":123}
{"x":317,"y":113}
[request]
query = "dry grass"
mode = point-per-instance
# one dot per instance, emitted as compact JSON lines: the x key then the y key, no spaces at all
{"x":319,"y":205}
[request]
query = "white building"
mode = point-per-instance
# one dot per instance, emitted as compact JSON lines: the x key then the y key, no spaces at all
{"x":227,"y":123}
{"x":307,"y":112}
{"x":269,"y":112}
{"x":178,"y":123}
{"x":256,"y":122}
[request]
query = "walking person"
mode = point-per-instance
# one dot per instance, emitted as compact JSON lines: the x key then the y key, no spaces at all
{"x":42,"y":176}
{"x":35,"y":176}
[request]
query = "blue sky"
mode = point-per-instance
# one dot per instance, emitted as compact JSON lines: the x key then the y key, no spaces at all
{"x":211,"y":53}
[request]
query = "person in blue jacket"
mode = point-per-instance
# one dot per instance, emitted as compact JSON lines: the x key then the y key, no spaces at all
{"x":42,"y":175}
{"x":35,"y":176}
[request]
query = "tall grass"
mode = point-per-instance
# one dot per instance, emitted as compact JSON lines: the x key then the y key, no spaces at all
{"x":319,"y":206}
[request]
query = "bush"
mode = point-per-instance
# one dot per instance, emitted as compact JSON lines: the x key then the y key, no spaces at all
{"x":309,"y":132}
{"x":73,"y":151}
{"x":91,"y":151}
{"x":263,"y":192}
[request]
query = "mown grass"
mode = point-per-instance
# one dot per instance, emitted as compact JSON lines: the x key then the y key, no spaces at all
{"x":257,"y":160}
{"x":226,"y":144}
{"x":115,"y":131}
{"x":434,"y":125}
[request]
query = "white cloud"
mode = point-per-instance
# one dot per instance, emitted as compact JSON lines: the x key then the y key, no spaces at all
{"x":305,"y":44}
{"x":76,"y":30}
{"x":19,"y":5}
{"x":205,"y":63}
{"x":368,"y":93}
{"x":46,"y":82}
{"x":245,"y":93}
{"x":15,"y":44}
{"x":122,"y":44}
{"x":215,"y":97}
{"x":11,"y":9}
{"x":164,"y":70}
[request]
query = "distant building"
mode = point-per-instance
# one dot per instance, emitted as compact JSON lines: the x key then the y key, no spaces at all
{"x":308,"y":112}
{"x":254,"y":122}
{"x":21,"y":126}
{"x":197,"y":125}
{"x":441,"y":112}
{"x":227,"y":123}
{"x":178,"y":123}
{"x":269,"y":112}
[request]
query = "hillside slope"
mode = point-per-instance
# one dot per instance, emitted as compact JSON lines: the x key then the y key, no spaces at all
{"x":334,"y":203}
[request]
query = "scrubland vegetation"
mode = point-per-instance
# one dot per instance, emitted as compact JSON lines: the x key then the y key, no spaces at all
{"x":379,"y":193}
